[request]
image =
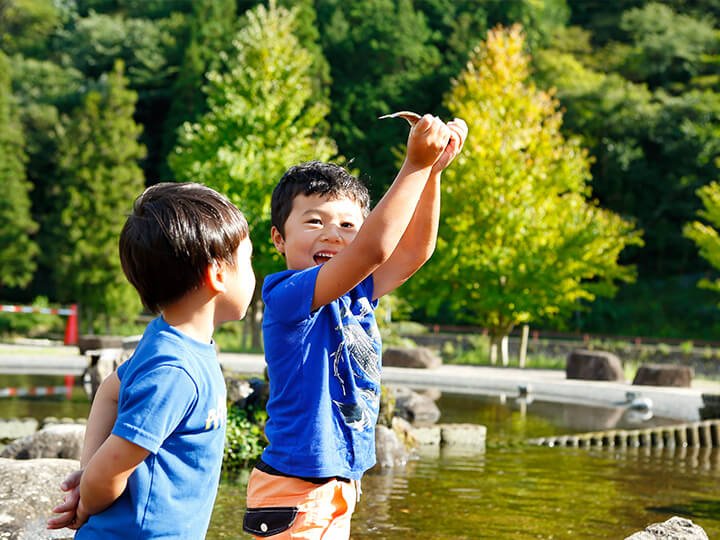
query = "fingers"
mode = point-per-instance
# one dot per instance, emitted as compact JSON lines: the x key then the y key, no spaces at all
{"x":460,"y":130}
{"x":63,"y":520}
{"x":65,"y":507}
{"x":72,"y":481}
{"x":424,"y":124}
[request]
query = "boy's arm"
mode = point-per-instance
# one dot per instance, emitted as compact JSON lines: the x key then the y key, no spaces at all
{"x":418,"y":243}
{"x":100,"y":423}
{"x":106,"y":474}
{"x":101,"y":418}
{"x":384,"y":227}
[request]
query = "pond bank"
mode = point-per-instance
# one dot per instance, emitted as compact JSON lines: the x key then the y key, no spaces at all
{"x":542,"y":384}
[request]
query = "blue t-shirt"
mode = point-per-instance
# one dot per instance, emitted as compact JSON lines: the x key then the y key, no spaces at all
{"x":324,"y":371}
{"x":173,"y":403}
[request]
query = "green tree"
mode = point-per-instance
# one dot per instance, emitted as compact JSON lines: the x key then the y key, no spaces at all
{"x":17,"y":249}
{"x":43,"y":89}
{"x":211,"y":27}
{"x":519,"y":239}
{"x":705,"y":235}
{"x":98,"y":165}
{"x":381,"y":56}
{"x":25,"y":25}
{"x":666,"y":46}
{"x":261,"y":120}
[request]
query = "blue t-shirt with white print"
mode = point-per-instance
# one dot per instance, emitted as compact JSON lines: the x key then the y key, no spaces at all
{"x":324,"y":371}
{"x":172,"y":402}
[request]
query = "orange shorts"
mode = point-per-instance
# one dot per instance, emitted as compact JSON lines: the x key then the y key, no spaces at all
{"x":286,"y":508}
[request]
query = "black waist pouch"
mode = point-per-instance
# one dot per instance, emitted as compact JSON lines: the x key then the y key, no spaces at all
{"x":265,"y":522}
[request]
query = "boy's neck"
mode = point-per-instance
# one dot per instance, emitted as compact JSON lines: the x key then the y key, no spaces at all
{"x":193,"y":315}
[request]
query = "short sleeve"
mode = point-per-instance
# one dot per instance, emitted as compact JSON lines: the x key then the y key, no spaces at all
{"x":366,"y":288}
{"x":288,"y":295}
{"x":153,"y":404}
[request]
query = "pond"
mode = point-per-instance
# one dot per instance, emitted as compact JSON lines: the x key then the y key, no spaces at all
{"x":508,"y":491}
{"x":517,"y":491}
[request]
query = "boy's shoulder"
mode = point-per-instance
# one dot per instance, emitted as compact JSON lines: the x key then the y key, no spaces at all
{"x":162,"y":345}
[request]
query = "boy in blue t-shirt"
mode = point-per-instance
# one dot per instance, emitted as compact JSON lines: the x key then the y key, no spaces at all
{"x":156,"y":431}
{"x":322,"y":345}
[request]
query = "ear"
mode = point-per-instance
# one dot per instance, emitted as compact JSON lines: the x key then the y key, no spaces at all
{"x":215,"y":276}
{"x":278,"y":240}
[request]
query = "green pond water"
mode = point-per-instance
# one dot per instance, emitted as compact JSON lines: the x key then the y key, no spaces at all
{"x":507,"y":491}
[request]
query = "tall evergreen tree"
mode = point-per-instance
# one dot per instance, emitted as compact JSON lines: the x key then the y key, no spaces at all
{"x":261,"y":120}
{"x":520,"y":240}
{"x":99,"y":154}
{"x":17,"y":249}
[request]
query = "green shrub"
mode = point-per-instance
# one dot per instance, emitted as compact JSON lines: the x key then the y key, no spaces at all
{"x":244,"y":441}
{"x":32,"y":324}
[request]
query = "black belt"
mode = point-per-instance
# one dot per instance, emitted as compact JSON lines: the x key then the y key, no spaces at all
{"x":264,"y":467}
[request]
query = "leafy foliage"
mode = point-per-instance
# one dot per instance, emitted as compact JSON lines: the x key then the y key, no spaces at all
{"x":211,"y":27}
{"x":17,"y":249}
{"x":705,"y":235}
{"x":101,"y":179}
{"x":666,"y":46}
{"x":519,"y":240}
{"x":260,"y":122}
{"x":244,"y":441}
{"x":25,"y":25}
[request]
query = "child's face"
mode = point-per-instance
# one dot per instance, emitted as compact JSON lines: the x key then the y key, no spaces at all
{"x":317,"y":229}
{"x":239,"y":283}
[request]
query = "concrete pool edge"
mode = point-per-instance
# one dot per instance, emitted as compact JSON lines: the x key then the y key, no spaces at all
{"x":546,"y":385}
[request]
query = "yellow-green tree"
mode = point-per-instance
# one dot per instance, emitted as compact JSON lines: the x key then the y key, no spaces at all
{"x":704,"y":235}
{"x":520,"y":239}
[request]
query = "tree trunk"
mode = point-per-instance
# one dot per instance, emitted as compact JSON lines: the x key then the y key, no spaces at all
{"x":523,"y":345}
{"x":499,"y":345}
{"x":254,"y":319}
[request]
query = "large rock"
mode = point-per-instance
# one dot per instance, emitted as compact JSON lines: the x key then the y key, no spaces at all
{"x":29,"y":490}
{"x":664,"y":375}
{"x":55,"y":441}
{"x":16,"y":428}
{"x":471,"y":435}
{"x":711,"y":408}
{"x":390,"y":451}
{"x":251,"y":394}
{"x":465,"y":435}
{"x":87,"y":342}
{"x":594,"y":366}
{"x":415,"y":408}
{"x":675,"y":528}
{"x":102,"y":362}
{"x":418,"y":357}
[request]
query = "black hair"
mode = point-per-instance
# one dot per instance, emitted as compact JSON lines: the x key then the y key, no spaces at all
{"x":176,"y":230}
{"x":315,"y":177}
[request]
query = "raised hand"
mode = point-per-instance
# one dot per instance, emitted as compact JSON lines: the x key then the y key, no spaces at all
{"x":458,"y":134}
{"x":427,"y":141}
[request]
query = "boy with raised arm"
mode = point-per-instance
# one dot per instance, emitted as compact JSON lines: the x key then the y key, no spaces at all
{"x":322,"y":345}
{"x":156,"y":431}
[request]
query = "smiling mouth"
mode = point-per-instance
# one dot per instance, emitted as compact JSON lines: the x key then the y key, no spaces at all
{"x":322,"y":257}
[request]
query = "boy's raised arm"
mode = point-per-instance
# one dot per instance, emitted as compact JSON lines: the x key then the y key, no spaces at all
{"x":379,"y":235}
{"x":418,"y":242}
